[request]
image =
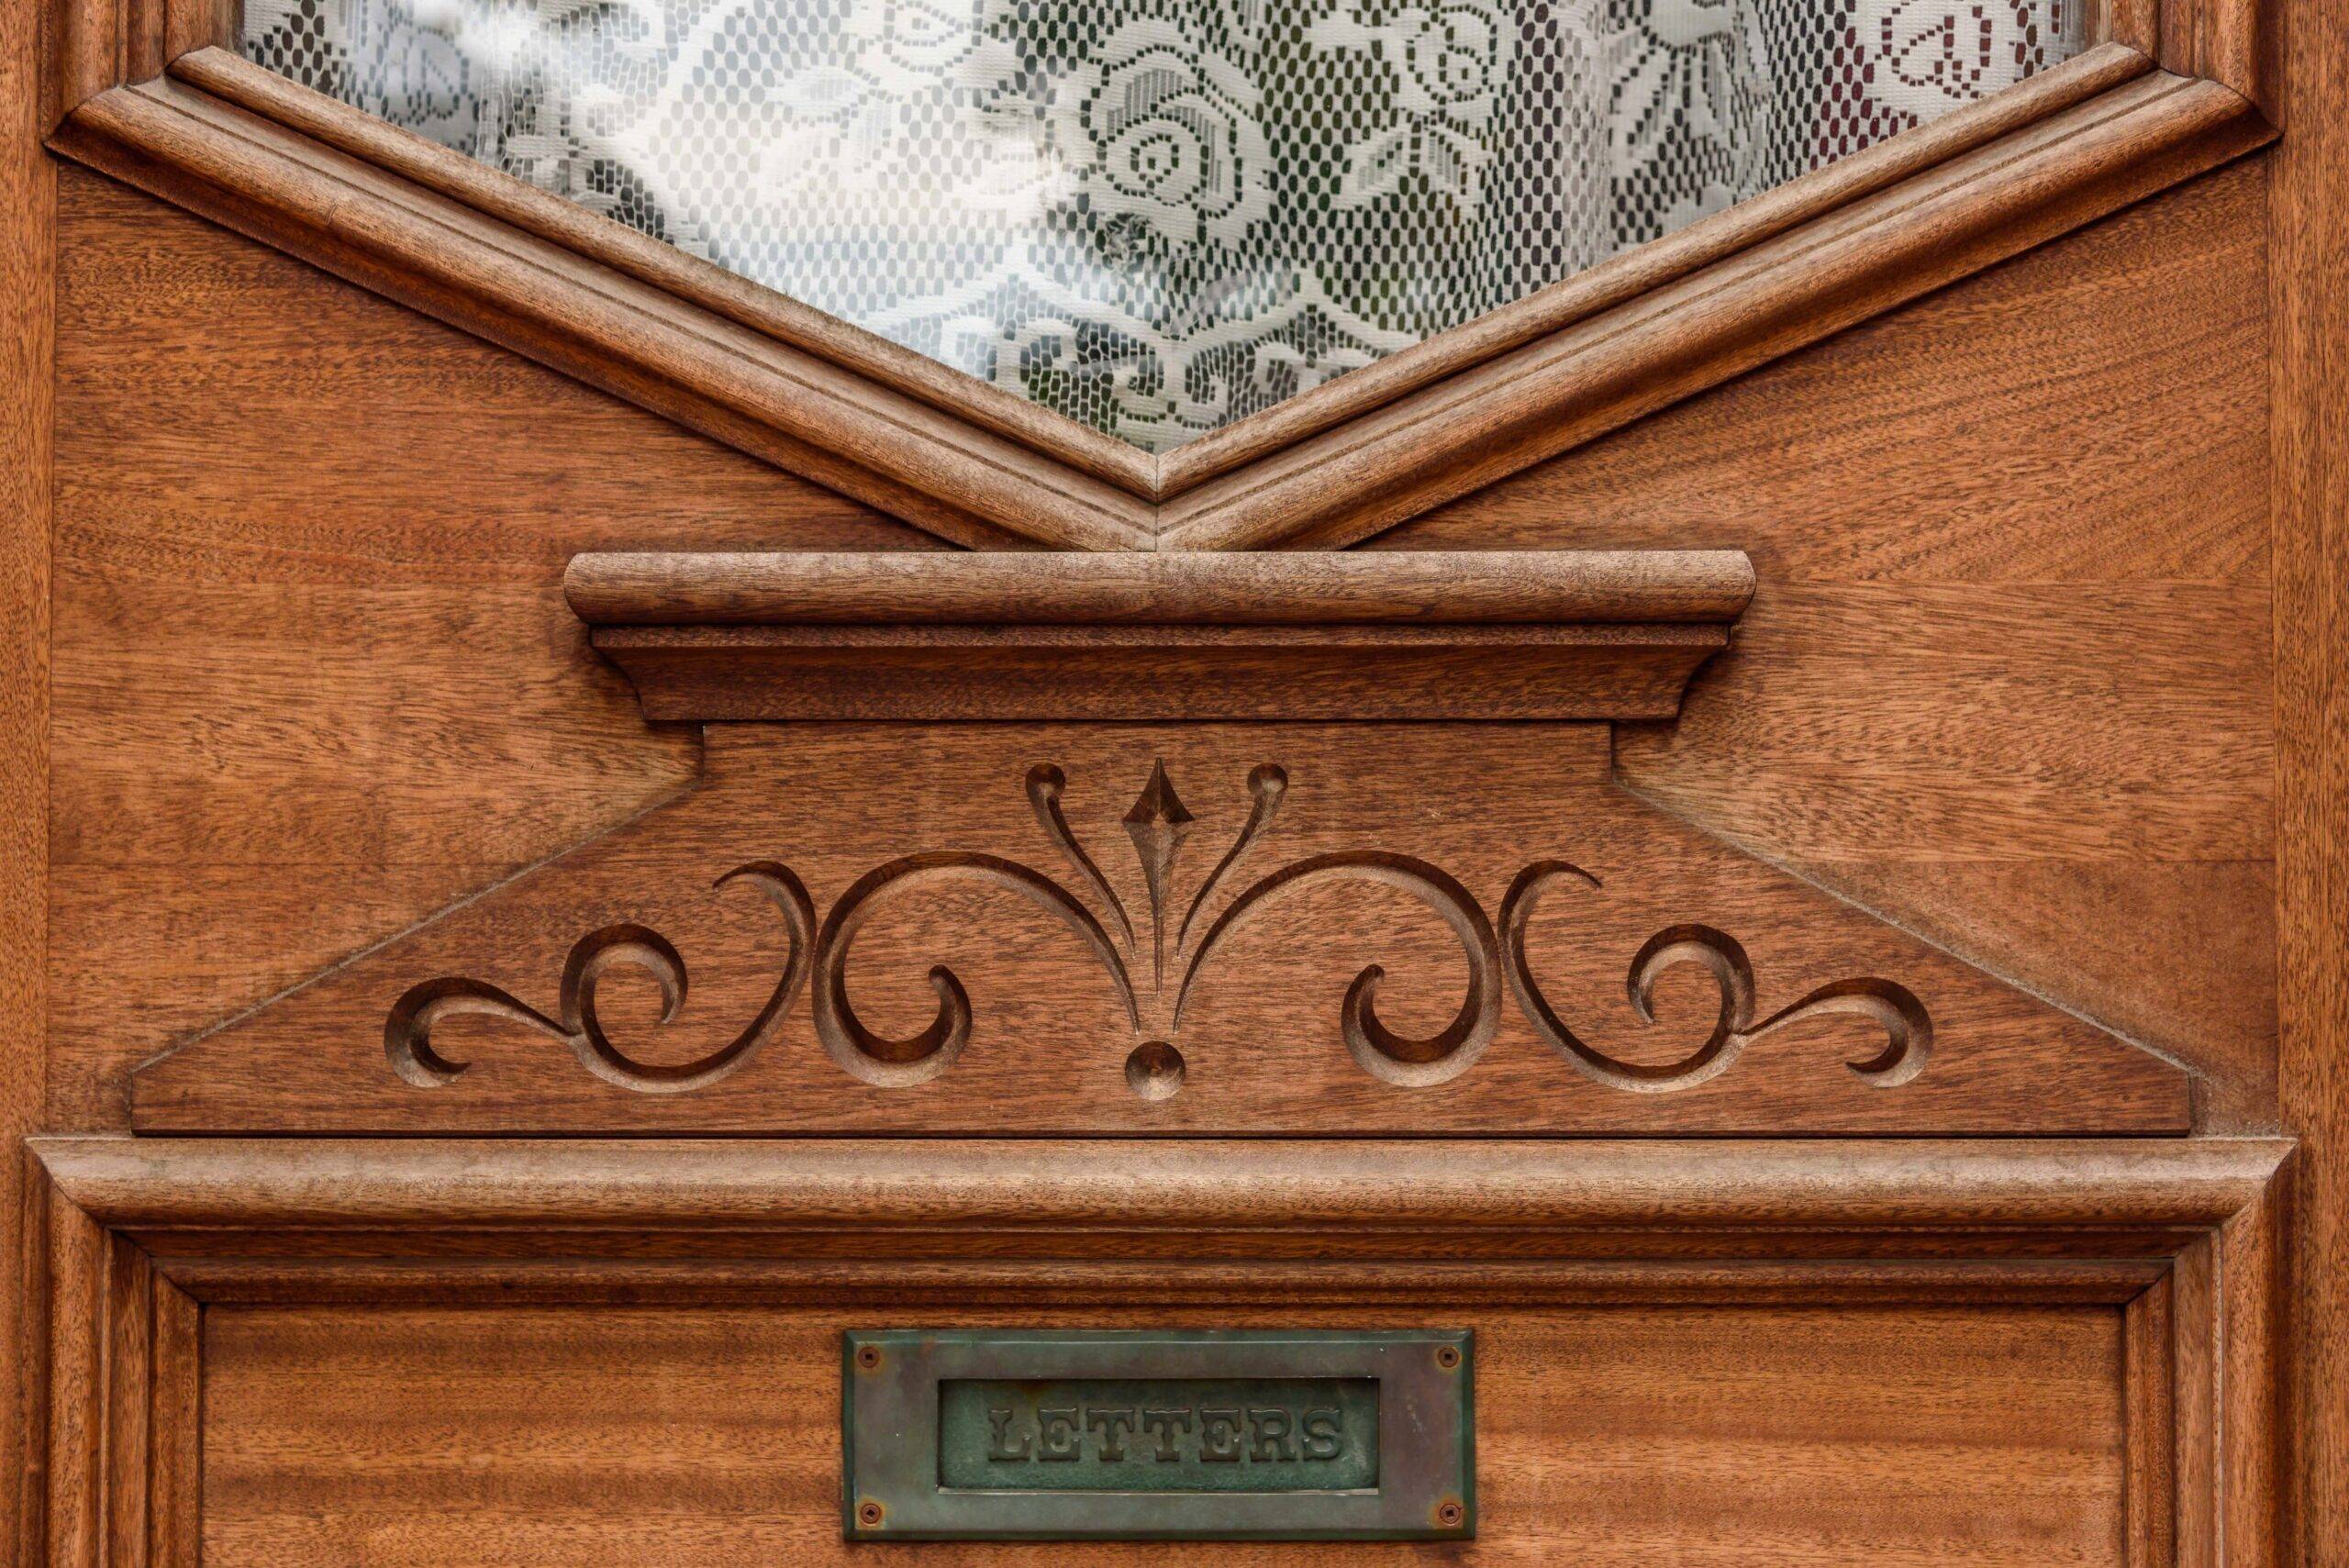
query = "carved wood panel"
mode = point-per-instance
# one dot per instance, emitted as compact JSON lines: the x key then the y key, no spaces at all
{"x":1403,"y":928}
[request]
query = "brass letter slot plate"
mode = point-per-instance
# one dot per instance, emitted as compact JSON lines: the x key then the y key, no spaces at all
{"x":1175,"y":1434}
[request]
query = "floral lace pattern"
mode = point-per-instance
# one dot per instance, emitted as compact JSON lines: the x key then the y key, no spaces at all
{"x":1158,"y":216}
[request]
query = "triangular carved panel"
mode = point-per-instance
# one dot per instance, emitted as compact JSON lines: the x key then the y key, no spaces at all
{"x":1132,"y":929}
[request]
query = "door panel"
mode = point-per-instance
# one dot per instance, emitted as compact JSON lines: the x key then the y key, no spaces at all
{"x":1988,"y":762}
{"x":1613,"y":1436}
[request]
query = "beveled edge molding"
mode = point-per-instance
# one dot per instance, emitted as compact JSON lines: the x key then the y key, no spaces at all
{"x":228,"y":76}
{"x":131,"y":1240}
{"x":1722,"y":320}
{"x":1354,"y":634}
{"x":1357,"y":587}
{"x":860,"y":435}
{"x":391,"y":212}
{"x":2086,"y":1192}
{"x":1666,"y":260}
{"x":89,"y":47}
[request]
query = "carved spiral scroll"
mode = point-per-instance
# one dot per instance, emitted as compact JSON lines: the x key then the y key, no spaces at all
{"x":407,"y":1032}
{"x":1907,"y":1029}
{"x":1406,"y":1060}
{"x":889,"y":1062}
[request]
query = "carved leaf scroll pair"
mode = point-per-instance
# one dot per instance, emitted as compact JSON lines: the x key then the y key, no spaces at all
{"x":1172,"y":960}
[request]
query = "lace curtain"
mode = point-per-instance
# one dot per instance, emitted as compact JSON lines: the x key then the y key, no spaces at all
{"x":1158,"y":216}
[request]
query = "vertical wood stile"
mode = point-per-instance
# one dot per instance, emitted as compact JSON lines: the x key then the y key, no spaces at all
{"x":175,"y":1430}
{"x":2150,"y":1429}
{"x":2195,"y":1371}
{"x":2309,"y":361}
{"x":80,"y":1261}
{"x":27,"y":317}
{"x":129,"y":1316}
{"x":2253,"y":1494}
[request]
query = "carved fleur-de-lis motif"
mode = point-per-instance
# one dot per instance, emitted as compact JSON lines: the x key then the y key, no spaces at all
{"x":1158,"y":824}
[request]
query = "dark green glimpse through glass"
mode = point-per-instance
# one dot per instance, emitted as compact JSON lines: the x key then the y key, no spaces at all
{"x":1158,"y":1435}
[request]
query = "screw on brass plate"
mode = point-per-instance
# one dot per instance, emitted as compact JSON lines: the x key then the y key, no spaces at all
{"x":1447,"y":1357}
{"x":1450,"y":1514}
{"x":870,"y":1513}
{"x":868,"y":1356}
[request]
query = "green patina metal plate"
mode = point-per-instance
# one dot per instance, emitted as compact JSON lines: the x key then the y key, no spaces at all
{"x":1057,"y":1435}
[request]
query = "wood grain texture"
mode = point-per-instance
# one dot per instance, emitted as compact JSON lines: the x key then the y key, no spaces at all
{"x":1716,"y":1244}
{"x":1390,"y":587}
{"x":175,"y":1424}
{"x":901,"y":1286}
{"x":2078,"y":1197}
{"x":2308,"y":210}
{"x":2149,"y":1426}
{"x":1339,"y":672}
{"x":222,"y":74}
{"x":92,"y":46}
{"x":310,"y":549}
{"x":2006,"y":679}
{"x":1045,"y":868}
{"x":66,"y":1528}
{"x":519,"y":278}
{"x":1615,"y":1437}
{"x":534,"y":297}
{"x":2235,"y":43}
{"x":27,"y":306}
{"x":1624,"y":277}
{"x":1609,"y":369}
{"x":1341,"y":635}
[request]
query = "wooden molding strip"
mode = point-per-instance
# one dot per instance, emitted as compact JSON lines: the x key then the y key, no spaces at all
{"x":1303,"y":1189}
{"x":610,"y":330}
{"x":1648,"y":267}
{"x":1502,"y":634}
{"x":2227,"y":42}
{"x":92,"y":46}
{"x":420,"y":224}
{"x":135,"y":1237}
{"x":1483,"y":587}
{"x":1169,"y":674}
{"x":1603,"y":373}
{"x":1104,"y":457}
{"x":548,"y":216}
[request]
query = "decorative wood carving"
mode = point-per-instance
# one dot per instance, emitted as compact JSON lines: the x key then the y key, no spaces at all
{"x":1519,"y":634}
{"x":422,"y":224}
{"x":1157,"y":823}
{"x":1303,"y":928}
{"x":133,"y":1239}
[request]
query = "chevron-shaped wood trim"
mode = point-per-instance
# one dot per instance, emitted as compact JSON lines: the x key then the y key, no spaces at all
{"x":976,"y":465}
{"x":1602,"y":372}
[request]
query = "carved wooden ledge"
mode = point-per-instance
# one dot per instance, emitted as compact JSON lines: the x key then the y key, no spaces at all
{"x":1486,"y":634}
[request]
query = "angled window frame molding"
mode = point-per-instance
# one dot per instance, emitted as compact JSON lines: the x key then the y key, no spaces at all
{"x":149,"y":92}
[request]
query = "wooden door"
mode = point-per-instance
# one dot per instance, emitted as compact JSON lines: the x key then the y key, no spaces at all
{"x":1744,"y":838}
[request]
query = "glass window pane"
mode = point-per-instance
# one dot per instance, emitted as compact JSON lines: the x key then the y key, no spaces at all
{"x":1158,"y":216}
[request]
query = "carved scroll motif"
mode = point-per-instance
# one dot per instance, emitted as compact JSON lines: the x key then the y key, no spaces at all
{"x":407,"y":1032}
{"x":1158,"y":824}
